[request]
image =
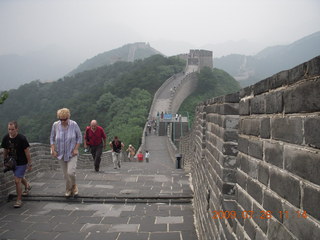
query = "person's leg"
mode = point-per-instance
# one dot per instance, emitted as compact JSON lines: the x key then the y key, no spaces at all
{"x":97,"y":159}
{"x":72,"y":166}
{"x":64,"y":167}
{"x":119,"y":159}
{"x":114,"y":160}
{"x":17,"y":181}
{"x":27,"y":187}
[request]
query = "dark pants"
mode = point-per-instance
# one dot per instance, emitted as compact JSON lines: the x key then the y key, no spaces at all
{"x":96,"y":152}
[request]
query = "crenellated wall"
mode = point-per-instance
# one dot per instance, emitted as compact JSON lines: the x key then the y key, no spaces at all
{"x":254,"y":157}
{"x":42,"y":161}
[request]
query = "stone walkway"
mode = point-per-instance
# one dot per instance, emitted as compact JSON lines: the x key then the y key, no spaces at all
{"x":150,"y":201}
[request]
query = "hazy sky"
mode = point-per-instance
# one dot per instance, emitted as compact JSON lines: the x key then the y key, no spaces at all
{"x":89,"y":27}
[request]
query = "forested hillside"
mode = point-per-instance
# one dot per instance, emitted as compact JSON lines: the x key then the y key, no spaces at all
{"x":118,"y":96}
{"x":212,"y":83}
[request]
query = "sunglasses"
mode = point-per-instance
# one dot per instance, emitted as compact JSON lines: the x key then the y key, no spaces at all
{"x":63,"y":120}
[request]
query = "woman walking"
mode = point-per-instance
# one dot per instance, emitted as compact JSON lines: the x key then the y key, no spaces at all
{"x":65,"y":140}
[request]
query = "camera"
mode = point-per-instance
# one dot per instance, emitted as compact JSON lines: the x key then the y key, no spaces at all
{"x":9,"y":164}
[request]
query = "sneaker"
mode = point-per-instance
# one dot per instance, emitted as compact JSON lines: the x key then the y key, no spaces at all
{"x":75,"y":190}
{"x":68,"y":193}
{"x":18,"y":204}
{"x":26,"y":191}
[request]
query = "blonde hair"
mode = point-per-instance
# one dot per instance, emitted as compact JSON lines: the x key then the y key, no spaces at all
{"x":63,"y":113}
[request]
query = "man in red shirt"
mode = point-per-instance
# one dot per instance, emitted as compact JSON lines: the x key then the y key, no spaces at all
{"x":95,"y":138}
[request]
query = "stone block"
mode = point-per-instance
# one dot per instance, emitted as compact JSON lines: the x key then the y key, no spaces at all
{"x":273,"y":153}
{"x":272,"y":203}
{"x":250,"y":126}
{"x":288,"y":129}
{"x":248,"y":165}
{"x":312,"y":131}
{"x":244,"y":107}
{"x":243,"y":144}
{"x":242,"y":179}
{"x":311,"y":200}
{"x":250,"y":228}
{"x":285,"y":186}
{"x":314,"y":67}
{"x":274,"y":102}
{"x":255,"y":148}
{"x":230,"y":149}
{"x":232,"y":98}
{"x":263,"y":173}
{"x":262,"y":223}
{"x":260,"y":87}
{"x":304,"y":163}
{"x":255,"y":189}
{"x":244,"y":92}
{"x":244,"y":200}
{"x":301,"y":228}
{"x":278,"y":231}
{"x":278,"y":80}
{"x":258,"y":105}
{"x":303,"y":97}
{"x":265,"y":128}
{"x":229,"y":109}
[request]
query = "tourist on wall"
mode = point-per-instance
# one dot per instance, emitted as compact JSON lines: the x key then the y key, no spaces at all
{"x":16,"y":146}
{"x":131,"y":152}
{"x":140,"y":156}
{"x":65,"y":140}
{"x":116,"y":146}
{"x":95,"y":139}
{"x":147,"y":156}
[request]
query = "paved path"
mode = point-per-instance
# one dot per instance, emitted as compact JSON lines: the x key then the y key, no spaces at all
{"x":139,"y":201}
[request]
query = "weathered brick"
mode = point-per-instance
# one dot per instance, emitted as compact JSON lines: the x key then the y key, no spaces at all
{"x":260,"y":87}
{"x":250,"y":228}
{"x":232,"y":98}
{"x":312,"y":131}
{"x":278,"y":231}
{"x":278,"y":80}
{"x":243,"y":144}
{"x":249,"y":166}
{"x":242,"y":179}
{"x":273,"y":153}
{"x":304,"y":163}
{"x":274,"y":102}
{"x":302,"y":228}
{"x":244,"y":107}
{"x":311,"y":200}
{"x":265,"y":128}
{"x":263,"y":173}
{"x":303,"y":97}
{"x":285,"y":186}
{"x":254,"y":189}
{"x":262,"y":223}
{"x":229,"y":109}
{"x":271,"y":202}
{"x":244,"y":200}
{"x":250,"y":126}
{"x":255,"y":148}
{"x":288,"y":129}
{"x":245,"y":91}
{"x":258,"y":105}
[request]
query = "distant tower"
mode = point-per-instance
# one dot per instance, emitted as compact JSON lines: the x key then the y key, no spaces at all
{"x":202,"y":58}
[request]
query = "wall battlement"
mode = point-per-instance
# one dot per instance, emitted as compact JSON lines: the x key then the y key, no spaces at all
{"x":255,"y":154}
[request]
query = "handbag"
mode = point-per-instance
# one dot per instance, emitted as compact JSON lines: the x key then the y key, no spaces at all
{"x":9,"y":164}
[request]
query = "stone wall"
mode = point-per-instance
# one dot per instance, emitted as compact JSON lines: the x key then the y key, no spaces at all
{"x":254,"y":157}
{"x":42,"y":161}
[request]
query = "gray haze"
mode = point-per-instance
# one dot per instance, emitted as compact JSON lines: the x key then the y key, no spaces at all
{"x":76,"y":30}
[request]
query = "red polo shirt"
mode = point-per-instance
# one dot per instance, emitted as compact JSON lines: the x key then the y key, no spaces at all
{"x":95,"y":137}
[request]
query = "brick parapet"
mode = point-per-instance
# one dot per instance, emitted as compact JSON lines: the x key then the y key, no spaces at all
{"x":42,"y":161}
{"x":259,"y":150}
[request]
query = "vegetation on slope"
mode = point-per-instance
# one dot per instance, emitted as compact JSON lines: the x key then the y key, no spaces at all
{"x":212,"y":83}
{"x":118,"y":96}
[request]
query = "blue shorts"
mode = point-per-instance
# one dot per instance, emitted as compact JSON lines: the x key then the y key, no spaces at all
{"x":20,"y":171}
